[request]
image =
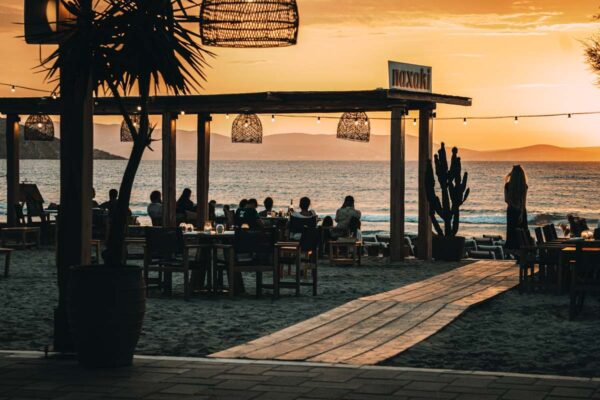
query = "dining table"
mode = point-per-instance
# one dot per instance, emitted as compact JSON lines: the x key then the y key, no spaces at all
{"x":211,"y":238}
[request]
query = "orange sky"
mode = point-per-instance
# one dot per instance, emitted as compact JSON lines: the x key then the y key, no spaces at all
{"x":511,"y":57}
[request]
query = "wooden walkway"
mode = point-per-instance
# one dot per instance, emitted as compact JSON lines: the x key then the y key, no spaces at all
{"x":373,"y":329}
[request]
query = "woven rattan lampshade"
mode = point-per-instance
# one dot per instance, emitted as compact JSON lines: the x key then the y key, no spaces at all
{"x":354,"y":126}
{"x":247,"y":128}
{"x":249,"y":23}
{"x":39,"y":127}
{"x":126,"y":135}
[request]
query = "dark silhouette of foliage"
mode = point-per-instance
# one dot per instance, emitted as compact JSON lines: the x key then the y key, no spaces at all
{"x":454,"y":191}
{"x":131,"y":47}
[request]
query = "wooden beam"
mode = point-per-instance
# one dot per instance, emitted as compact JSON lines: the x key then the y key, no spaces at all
{"x":203,"y":168}
{"x":425,"y":155}
{"x":397,"y":182}
{"x":12,"y":167}
{"x":260,"y":103}
{"x":169,"y":168}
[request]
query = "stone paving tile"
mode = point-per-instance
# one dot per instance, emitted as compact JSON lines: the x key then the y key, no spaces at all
{"x":250,"y":369}
{"x":235,"y":384}
{"x":426,"y":386}
{"x":326,"y":393}
{"x":477,"y":396}
{"x":380,"y":374}
{"x":261,"y":387}
{"x":473,"y":381}
{"x":516,"y":394}
{"x":582,"y":393}
{"x":228,"y":376}
{"x":182,"y":388}
{"x":287,"y":380}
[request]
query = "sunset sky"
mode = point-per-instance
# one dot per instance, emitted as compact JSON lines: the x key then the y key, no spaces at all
{"x":511,"y":57}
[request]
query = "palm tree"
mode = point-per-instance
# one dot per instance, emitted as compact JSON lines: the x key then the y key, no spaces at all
{"x":125,"y":47}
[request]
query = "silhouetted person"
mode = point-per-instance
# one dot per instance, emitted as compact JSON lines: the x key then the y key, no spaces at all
{"x":249,"y":216}
{"x":241,"y":206}
{"x":268,"y":203}
{"x":515,"y":196}
{"x":305,"y":215}
{"x":155,"y":208}
{"x":111,"y":204}
{"x":94,"y":202}
{"x":212,"y":215}
{"x":185,"y":203}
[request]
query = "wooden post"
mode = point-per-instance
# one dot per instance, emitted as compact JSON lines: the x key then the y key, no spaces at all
{"x":74,"y":231}
{"x":397,"y":190}
{"x":425,"y":155}
{"x":169,"y":168}
{"x":12,"y":167}
{"x":203,"y":168}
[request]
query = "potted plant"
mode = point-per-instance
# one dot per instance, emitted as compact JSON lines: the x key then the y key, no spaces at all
{"x":447,"y":246}
{"x":134,"y":47}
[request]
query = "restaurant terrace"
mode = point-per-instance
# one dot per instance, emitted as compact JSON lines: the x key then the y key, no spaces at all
{"x":396,"y":102}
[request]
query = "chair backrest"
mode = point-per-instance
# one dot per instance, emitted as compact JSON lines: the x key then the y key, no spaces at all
{"x":482,"y":255}
{"x":495,"y":238}
{"x":253,"y":242}
{"x":497,"y":250}
{"x":297,"y":225}
{"x":156,"y":221}
{"x":523,"y":238}
{"x":310,"y":239}
{"x":539,"y":235}
{"x":164,"y":243}
{"x":484,"y":241}
{"x":550,"y":232}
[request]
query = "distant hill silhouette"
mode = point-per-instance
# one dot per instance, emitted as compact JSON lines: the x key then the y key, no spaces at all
{"x":299,"y":146}
{"x":31,"y":150}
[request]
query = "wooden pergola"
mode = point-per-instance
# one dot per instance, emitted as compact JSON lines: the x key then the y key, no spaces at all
{"x":397,"y":102}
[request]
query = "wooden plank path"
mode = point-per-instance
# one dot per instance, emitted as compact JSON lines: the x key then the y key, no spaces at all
{"x":373,"y":329}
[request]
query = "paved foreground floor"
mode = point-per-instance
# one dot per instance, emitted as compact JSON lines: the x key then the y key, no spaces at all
{"x":30,"y":376}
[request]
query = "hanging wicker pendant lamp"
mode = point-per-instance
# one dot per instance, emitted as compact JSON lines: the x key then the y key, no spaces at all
{"x":126,"y":135}
{"x":39,"y":127}
{"x":247,"y":128}
{"x":354,"y":126}
{"x":249,"y":23}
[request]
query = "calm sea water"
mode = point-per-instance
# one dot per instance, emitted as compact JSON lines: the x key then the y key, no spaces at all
{"x":555,"y":188}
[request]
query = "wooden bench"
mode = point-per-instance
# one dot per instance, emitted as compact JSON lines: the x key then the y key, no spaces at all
{"x":6,"y":253}
{"x":21,"y":237}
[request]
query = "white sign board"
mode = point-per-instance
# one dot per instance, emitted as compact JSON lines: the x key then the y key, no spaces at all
{"x":416,"y":78}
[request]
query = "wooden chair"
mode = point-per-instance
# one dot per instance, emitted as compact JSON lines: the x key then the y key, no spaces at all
{"x":345,"y":251}
{"x":6,"y":253}
{"x":550,"y":233}
{"x":303,"y":255}
{"x":527,"y":260}
{"x":585,"y":275}
{"x":165,"y":252}
{"x":253,"y":251}
{"x":497,"y":251}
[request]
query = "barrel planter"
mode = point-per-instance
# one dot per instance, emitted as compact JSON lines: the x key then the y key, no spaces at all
{"x":106,"y":309}
{"x":448,"y":248}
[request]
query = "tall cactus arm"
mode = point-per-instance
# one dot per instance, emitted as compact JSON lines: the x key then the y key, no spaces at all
{"x":434,"y":201}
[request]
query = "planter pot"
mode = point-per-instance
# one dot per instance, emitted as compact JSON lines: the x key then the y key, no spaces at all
{"x":106,"y":309}
{"x":448,"y":248}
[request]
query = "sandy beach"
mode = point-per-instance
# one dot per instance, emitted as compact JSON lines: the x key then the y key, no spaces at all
{"x":511,"y":333}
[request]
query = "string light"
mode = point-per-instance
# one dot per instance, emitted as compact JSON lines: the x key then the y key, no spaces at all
{"x":13,"y":88}
{"x":516,"y":120}
{"x":415,"y":122}
{"x":54,"y":95}
{"x":569,"y":116}
{"x":318,"y":120}
{"x":226,"y":116}
{"x":356,"y":121}
{"x":272,"y":118}
{"x":139,"y":108}
{"x":465,"y":122}
{"x":182,"y":112}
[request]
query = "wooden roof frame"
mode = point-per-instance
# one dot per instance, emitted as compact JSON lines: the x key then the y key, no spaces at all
{"x":258,"y":103}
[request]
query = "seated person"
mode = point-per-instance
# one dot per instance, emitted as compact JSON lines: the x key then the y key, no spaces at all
{"x":344,"y":215}
{"x":241,"y":206}
{"x":212,"y":210}
{"x":94,"y":202}
{"x":576,"y":226}
{"x":229,"y":216}
{"x":268,"y":203}
{"x":111,"y":204}
{"x":302,"y":218}
{"x":155,"y":209}
{"x":249,"y":216}
{"x":185,"y":203}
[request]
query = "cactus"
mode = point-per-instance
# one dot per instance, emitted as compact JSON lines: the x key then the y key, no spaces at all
{"x":454,"y":190}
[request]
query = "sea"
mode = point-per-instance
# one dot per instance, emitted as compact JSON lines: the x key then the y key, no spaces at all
{"x":556,"y":189}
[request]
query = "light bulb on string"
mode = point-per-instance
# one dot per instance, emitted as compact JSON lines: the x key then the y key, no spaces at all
{"x":415,"y":122}
{"x":54,"y":95}
{"x":356,"y":121}
{"x":13,"y":88}
{"x":272,"y":118}
{"x":569,"y":116}
{"x":226,"y":116}
{"x":465,"y":122}
{"x":182,"y":112}
{"x":516,"y":120}
{"x":318,"y":120}
{"x":139,"y":108}
{"x":247,"y":124}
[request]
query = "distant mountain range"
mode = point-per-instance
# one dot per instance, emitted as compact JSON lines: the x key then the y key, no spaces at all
{"x":42,"y":150}
{"x":295,"y":146}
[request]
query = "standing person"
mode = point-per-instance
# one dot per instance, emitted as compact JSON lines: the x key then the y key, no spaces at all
{"x":515,"y":196}
{"x":155,"y":209}
{"x":268,"y":203}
